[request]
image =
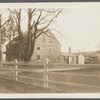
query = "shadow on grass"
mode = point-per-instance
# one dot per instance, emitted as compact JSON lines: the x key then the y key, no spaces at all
{"x":11,"y":86}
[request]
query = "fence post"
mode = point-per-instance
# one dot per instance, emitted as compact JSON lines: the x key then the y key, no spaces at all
{"x":16,"y":67}
{"x":46,"y":74}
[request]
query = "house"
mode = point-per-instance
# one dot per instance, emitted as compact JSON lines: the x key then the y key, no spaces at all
{"x":3,"y":55}
{"x":12,"y":50}
{"x":47,"y":46}
{"x":72,"y":58}
{"x":90,"y":57}
{"x":3,"y":50}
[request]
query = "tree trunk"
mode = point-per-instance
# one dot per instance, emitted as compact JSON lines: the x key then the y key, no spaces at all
{"x":27,"y":54}
{"x":20,"y":36}
{"x":30,"y":43}
{"x":0,"y":38}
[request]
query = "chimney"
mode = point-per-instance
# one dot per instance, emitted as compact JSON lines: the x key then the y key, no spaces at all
{"x":69,"y":49}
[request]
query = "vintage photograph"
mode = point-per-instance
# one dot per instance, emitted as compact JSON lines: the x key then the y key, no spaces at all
{"x":49,"y":48}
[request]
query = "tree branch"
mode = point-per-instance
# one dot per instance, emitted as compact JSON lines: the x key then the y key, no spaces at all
{"x":42,"y":33}
{"x":51,"y":20}
{"x":33,"y":11}
{"x":39,"y":17}
{"x":5,"y":22}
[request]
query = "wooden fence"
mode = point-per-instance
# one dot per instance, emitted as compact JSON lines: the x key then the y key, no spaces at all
{"x":13,"y":69}
{"x":16,"y":69}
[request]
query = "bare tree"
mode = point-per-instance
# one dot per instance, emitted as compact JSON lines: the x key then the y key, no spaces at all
{"x":39,"y":21}
{"x":10,"y":33}
{"x":2,"y":32}
{"x":2,"y":27}
{"x":16,"y":14}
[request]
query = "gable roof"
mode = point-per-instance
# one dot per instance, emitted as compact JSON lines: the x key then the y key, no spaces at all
{"x":54,"y":37}
{"x":13,"y":41}
{"x":25,"y":35}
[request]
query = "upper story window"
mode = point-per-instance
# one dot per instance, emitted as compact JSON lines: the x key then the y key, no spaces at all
{"x":38,"y":57}
{"x":64,"y":58}
{"x":58,"y":57}
{"x":49,"y":39}
{"x":52,"y":49}
{"x":43,"y":37}
{"x":38,"y":46}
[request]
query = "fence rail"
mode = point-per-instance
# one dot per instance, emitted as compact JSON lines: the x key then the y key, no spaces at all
{"x":18,"y":67}
{"x":16,"y":70}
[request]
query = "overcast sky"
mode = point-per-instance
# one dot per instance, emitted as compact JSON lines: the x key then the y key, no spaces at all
{"x":79,"y":25}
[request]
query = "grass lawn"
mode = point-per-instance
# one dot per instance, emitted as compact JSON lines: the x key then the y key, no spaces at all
{"x":83,"y":79}
{"x":10,"y":86}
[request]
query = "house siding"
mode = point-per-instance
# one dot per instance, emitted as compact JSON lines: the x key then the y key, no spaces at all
{"x":44,"y":48}
{"x":80,"y":59}
{"x":72,"y":59}
{"x":49,"y":48}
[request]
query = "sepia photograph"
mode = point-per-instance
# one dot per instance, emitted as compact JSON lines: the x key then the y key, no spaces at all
{"x":49,"y":48}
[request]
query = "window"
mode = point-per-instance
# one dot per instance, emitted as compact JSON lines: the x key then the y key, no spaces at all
{"x":38,"y":57}
{"x":52,"y":49}
{"x":43,"y":37}
{"x":73,"y":58}
{"x":38,"y":47}
{"x":58,"y":57}
{"x":64,"y":58}
{"x":49,"y":39}
{"x":47,"y":57}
